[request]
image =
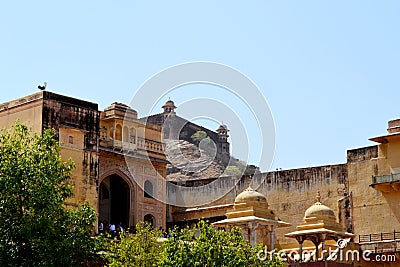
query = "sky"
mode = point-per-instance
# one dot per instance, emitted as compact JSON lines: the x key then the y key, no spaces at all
{"x":329,"y":70}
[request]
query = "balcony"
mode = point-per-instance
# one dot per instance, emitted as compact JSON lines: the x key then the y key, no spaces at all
{"x":142,"y":144}
{"x":150,"y":145}
{"x":390,"y":178}
{"x":386,"y":183}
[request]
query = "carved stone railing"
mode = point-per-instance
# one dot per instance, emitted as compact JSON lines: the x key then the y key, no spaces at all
{"x":142,"y":144}
{"x":150,"y":145}
{"x":116,"y":144}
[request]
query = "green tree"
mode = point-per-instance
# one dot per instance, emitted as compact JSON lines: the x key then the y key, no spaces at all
{"x":198,"y":136}
{"x":233,"y":171}
{"x":202,"y":246}
{"x":142,"y":249}
{"x":36,"y":229}
{"x":206,"y":246}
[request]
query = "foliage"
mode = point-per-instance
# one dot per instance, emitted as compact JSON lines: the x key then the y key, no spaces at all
{"x":202,"y":245}
{"x":141,"y":249}
{"x":198,"y":136}
{"x":240,"y":167}
{"x":233,"y":171}
{"x":36,"y":229}
{"x":206,"y":246}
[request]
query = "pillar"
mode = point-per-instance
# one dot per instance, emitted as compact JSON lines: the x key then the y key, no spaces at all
{"x":271,"y":231}
{"x":300,"y":240}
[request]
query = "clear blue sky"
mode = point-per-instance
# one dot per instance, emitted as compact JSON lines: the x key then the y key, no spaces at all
{"x":329,"y":69}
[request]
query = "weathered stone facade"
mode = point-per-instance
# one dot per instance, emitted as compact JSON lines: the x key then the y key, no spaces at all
{"x":106,"y":156}
{"x":77,"y":126}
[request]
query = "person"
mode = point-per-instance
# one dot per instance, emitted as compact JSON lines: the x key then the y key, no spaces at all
{"x":113,"y":230}
{"x":101,"y":227}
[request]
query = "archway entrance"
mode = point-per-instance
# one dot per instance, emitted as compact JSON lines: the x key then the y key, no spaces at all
{"x":150,"y":220}
{"x":114,"y":199}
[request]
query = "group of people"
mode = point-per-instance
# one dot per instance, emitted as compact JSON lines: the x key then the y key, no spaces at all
{"x":110,"y":228}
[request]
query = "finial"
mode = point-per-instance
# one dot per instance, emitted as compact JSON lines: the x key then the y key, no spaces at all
{"x":318,"y":197}
{"x":250,"y":182}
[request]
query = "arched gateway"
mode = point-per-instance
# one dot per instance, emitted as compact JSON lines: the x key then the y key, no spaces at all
{"x":114,"y":200}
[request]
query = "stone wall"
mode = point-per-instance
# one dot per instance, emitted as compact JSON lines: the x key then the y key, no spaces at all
{"x":289,"y":193}
{"x":27,"y":110}
{"x":77,"y":125}
{"x":373,"y":211}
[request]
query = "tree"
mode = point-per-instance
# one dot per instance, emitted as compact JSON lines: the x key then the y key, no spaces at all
{"x":36,"y":228}
{"x":198,"y":136}
{"x":233,"y":171}
{"x":205,"y":246}
{"x":202,"y":245}
{"x":142,"y":249}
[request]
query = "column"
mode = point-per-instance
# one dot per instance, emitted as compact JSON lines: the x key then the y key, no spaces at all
{"x":300,"y":240}
{"x":272,"y":237}
{"x":323,"y":237}
{"x":252,"y":232}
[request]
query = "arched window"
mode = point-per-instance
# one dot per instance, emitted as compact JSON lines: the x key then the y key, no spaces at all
{"x":148,"y":189}
{"x":125,"y":134}
{"x":111,"y":133}
{"x":150,"y":219}
{"x":132,"y":137}
{"x":118,"y":132}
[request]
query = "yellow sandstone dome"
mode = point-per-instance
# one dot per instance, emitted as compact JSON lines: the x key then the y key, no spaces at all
{"x":319,"y":211}
{"x":250,"y":196}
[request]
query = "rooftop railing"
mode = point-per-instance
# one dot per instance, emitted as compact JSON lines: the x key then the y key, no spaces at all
{"x":389,"y":178}
{"x":384,"y":236}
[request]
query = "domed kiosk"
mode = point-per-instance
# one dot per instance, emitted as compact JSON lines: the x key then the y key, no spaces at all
{"x":319,"y":225}
{"x":169,"y":106}
{"x":252,"y":214}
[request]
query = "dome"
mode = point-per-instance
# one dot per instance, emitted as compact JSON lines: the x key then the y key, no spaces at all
{"x":319,"y":211}
{"x":169,"y":103}
{"x":223,"y":127}
{"x":250,"y":196}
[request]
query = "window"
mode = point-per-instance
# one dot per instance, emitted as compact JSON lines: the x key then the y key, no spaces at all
{"x":118,"y":133}
{"x":125,"y":134}
{"x":132,"y":136}
{"x":148,"y":189}
{"x":70,"y":139}
{"x":112,"y":133}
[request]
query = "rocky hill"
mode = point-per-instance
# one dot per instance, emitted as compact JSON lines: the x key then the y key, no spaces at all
{"x":187,"y":161}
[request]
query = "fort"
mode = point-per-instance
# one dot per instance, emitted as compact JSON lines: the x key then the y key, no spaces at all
{"x":121,"y":170}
